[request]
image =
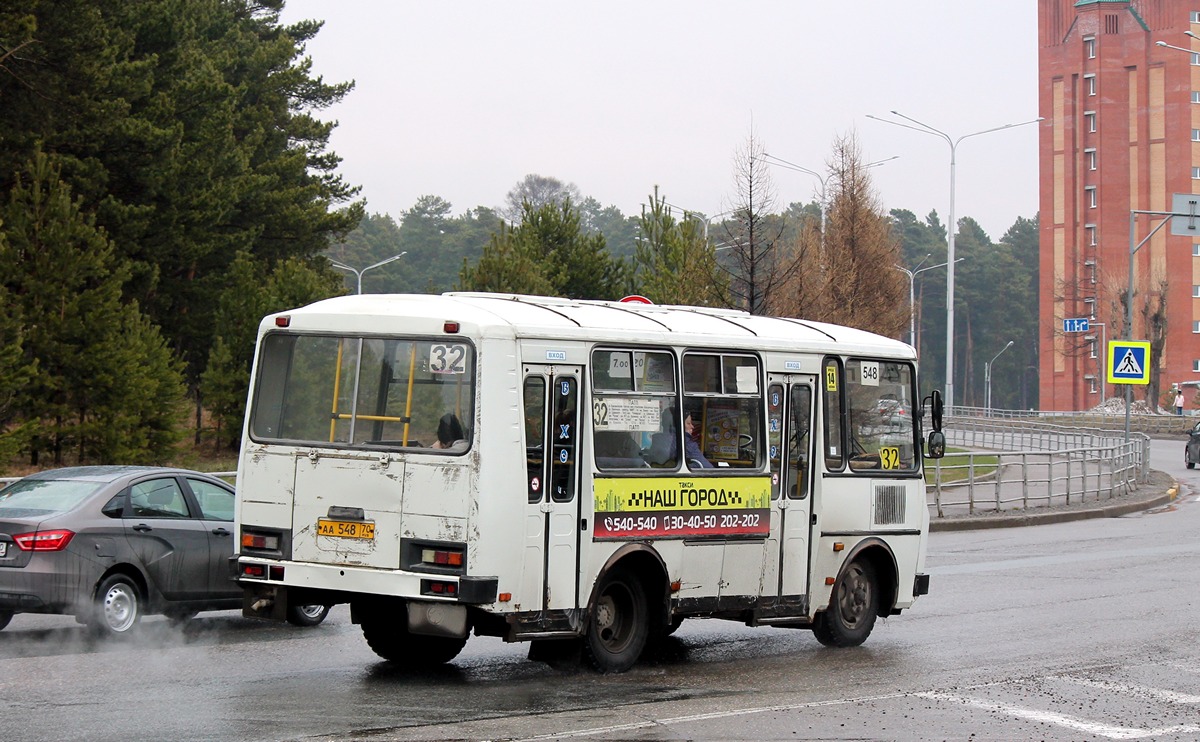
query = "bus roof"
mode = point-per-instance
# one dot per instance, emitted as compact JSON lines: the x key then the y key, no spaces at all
{"x":522,"y":316}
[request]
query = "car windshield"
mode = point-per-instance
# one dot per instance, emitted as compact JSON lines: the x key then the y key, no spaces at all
{"x":44,"y":496}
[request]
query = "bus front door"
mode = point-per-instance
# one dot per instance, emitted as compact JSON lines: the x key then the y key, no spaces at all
{"x":789,"y":425}
{"x":551,"y":399}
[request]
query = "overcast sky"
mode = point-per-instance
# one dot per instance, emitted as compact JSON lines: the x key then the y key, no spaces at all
{"x":463,"y":99}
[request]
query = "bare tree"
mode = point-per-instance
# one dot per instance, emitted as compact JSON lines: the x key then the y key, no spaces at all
{"x":537,"y":191}
{"x":759,"y":262}
{"x":846,"y":274}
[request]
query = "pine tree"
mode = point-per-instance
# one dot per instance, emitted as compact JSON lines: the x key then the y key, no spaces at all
{"x":95,"y":356}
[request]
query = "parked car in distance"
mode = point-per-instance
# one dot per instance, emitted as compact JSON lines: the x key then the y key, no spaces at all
{"x":1191,"y":452}
{"x":109,"y":544}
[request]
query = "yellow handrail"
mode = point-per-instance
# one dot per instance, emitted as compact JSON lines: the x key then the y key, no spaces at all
{"x":412,"y":365}
{"x":337,"y":384}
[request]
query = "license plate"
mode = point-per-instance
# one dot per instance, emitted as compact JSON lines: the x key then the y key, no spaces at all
{"x":3,"y":548}
{"x":345,"y":529}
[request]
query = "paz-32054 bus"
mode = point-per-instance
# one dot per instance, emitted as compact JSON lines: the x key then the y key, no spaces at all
{"x":578,"y":473}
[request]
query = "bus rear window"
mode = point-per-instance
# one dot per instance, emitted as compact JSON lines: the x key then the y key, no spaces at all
{"x":351,"y":391}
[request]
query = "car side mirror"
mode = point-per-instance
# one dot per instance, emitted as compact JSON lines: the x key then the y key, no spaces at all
{"x":935,"y":447}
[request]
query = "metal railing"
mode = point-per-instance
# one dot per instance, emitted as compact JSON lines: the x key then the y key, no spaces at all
{"x":1016,"y":465}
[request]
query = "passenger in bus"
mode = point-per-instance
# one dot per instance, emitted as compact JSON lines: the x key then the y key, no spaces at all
{"x":663,"y":451}
{"x":691,"y":448}
{"x":450,"y":432}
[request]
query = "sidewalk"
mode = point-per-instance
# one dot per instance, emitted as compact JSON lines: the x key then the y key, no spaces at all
{"x":1159,"y":491}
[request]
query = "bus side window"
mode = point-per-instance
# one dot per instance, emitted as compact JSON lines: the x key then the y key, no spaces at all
{"x":534,"y":398}
{"x":832,"y":384}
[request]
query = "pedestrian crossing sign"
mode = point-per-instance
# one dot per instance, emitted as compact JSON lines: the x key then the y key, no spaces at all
{"x":1128,"y":362}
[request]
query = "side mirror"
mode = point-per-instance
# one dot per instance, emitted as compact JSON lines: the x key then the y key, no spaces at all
{"x":936,"y":445}
{"x":936,"y":407}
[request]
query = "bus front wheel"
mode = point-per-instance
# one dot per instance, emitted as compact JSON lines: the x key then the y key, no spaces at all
{"x":848,"y":620}
{"x":619,"y":624}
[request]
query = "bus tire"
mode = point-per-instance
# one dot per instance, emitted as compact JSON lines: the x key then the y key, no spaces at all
{"x":848,"y":620}
{"x":619,"y":624}
{"x":388,"y":636}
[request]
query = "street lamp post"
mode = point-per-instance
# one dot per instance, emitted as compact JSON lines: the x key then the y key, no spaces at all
{"x":912,"y":298}
{"x":987,"y":375}
{"x":358,"y":274}
{"x":822,"y":179}
{"x":950,"y":229}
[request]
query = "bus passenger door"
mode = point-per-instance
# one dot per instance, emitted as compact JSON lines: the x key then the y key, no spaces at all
{"x":551,"y":398}
{"x":789,"y":421}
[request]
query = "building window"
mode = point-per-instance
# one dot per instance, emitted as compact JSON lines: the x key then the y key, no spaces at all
{"x":1195,"y":291}
{"x":1196,"y":366}
{"x":1194,"y":16}
{"x":1196,"y":60}
{"x":1090,"y":193}
{"x":1090,"y":301}
{"x":1090,"y":156}
{"x":1196,"y":327}
{"x":1090,"y":81}
{"x":1196,"y":251}
{"x":1091,"y":347}
{"x":1089,"y":47}
{"x":1090,"y":118}
{"x":1091,"y":235}
{"x":1196,"y":173}
{"x":1196,"y":135}
{"x":1196,"y":96}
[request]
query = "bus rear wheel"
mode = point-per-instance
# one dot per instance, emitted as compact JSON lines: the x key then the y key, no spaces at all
{"x":848,"y":620}
{"x":619,"y":624}
{"x":387,"y":634}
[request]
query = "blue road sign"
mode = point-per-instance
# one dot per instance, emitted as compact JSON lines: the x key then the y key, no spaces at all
{"x":1128,"y":362}
{"x":1075,"y":324}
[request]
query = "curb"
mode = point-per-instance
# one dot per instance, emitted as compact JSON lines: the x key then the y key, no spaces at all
{"x":1026,"y":518}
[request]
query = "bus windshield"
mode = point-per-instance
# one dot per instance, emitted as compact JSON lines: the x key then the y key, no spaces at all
{"x":354,"y":391}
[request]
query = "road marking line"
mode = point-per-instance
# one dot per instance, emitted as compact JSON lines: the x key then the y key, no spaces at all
{"x":712,"y":715}
{"x":1050,"y":717}
{"x":1169,"y":696}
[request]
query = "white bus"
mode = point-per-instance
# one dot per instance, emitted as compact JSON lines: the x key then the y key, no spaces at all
{"x":521,"y":467}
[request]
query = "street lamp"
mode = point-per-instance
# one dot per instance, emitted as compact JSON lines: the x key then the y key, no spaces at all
{"x":987,"y":375}
{"x":359,"y":273}
{"x":950,"y":228}
{"x":823,"y":179}
{"x":912,"y":299}
{"x":699,"y":215}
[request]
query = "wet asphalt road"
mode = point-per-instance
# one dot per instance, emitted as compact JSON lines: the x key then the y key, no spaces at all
{"x":1083,"y":630}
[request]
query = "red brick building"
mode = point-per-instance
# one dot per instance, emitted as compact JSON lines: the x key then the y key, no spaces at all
{"x":1121,"y":133}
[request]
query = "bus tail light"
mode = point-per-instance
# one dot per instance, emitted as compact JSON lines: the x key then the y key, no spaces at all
{"x":438,"y":587}
{"x":260,"y":541}
{"x":255,"y":571}
{"x":442,"y":557}
{"x":450,"y":328}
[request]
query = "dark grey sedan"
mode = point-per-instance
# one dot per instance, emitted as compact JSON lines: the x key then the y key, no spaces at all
{"x":108,"y":544}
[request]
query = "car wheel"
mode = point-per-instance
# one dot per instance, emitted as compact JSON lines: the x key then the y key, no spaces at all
{"x":848,"y":620}
{"x":385,"y":627}
{"x":307,"y":615}
{"x":5,"y":617}
{"x":118,"y":607}
{"x":619,"y":625}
